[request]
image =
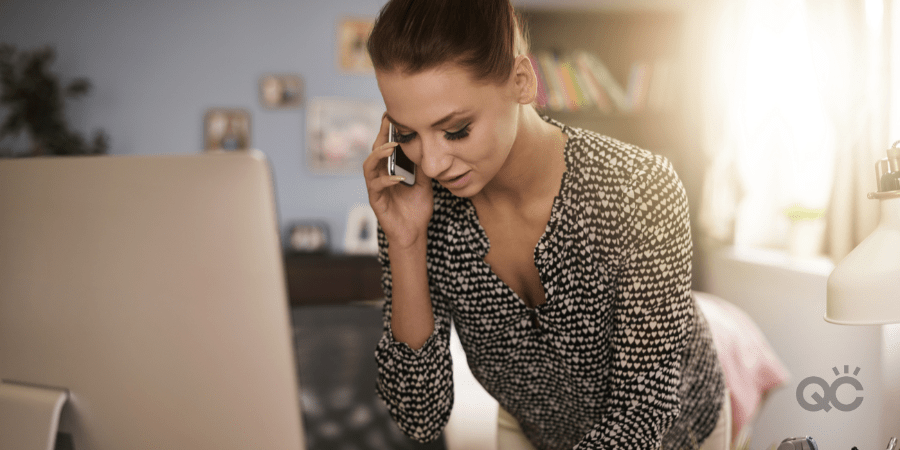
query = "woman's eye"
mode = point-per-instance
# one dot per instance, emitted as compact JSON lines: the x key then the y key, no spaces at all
{"x":403,"y":138}
{"x":454,"y":135}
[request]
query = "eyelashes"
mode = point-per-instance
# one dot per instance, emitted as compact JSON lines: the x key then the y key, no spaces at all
{"x":457,"y":134}
{"x":449,"y":135}
{"x":403,"y":138}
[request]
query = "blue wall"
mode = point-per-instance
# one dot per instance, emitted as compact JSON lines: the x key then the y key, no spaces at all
{"x":157,"y":66}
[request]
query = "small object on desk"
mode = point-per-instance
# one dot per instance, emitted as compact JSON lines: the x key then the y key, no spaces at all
{"x":892,"y":444}
{"x":309,"y":237}
{"x":362,"y":231}
{"x":798,"y":443}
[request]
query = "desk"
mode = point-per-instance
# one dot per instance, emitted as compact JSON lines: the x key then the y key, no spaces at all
{"x":331,"y":279}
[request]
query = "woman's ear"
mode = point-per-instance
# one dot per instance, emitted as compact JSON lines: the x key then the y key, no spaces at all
{"x":525,"y":80}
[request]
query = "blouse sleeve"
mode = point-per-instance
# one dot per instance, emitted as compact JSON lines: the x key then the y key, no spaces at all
{"x":653,"y":313}
{"x":416,"y":385}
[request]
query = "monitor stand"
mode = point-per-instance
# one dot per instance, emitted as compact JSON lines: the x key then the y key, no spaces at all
{"x":29,"y":415}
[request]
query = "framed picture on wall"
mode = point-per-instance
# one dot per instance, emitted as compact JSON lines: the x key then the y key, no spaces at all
{"x":281,"y":91}
{"x":340,"y":133}
{"x":352,"y":54}
{"x":226,"y":129}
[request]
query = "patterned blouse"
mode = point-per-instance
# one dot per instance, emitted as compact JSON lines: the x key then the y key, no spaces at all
{"x":618,"y":356}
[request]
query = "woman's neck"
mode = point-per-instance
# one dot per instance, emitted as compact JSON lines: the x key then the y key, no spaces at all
{"x":534,"y":168}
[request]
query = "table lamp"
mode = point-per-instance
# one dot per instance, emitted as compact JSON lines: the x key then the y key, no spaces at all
{"x":864,"y":288}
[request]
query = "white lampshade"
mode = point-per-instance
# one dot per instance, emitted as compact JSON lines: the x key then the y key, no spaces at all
{"x":864,"y":288}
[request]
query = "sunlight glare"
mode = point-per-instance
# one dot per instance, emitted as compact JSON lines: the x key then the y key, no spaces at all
{"x":786,"y":155}
{"x":875,"y":15}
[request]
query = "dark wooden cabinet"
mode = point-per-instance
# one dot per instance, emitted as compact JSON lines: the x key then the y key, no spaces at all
{"x":326,"y":279}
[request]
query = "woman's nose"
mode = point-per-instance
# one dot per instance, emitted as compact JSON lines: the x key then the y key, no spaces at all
{"x":436,"y":159}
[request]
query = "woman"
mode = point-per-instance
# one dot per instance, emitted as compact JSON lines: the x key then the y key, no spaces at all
{"x":562,"y":256}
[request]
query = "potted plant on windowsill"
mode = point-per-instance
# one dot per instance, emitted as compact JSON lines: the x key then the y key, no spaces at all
{"x":33,"y":99}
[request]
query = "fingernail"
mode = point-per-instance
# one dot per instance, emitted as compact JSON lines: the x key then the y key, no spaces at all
{"x":397,"y":178}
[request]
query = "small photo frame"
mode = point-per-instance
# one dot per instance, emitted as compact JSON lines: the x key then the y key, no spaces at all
{"x":340,"y":133}
{"x":309,"y":237}
{"x":353,"y":33}
{"x":281,"y":91}
{"x":226,"y":129}
{"x":361,"y":237}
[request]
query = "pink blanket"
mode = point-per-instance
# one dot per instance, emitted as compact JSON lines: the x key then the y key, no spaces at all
{"x":751,"y":366}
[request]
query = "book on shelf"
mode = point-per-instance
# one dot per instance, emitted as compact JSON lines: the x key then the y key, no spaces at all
{"x":541,"y":98}
{"x":566,"y":89}
{"x":604,"y":78}
{"x":574,"y":94}
{"x":596,"y":91}
{"x":580,"y":81}
{"x":638,"y":86}
{"x":547,"y":64}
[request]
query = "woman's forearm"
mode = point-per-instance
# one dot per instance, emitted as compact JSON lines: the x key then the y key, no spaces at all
{"x":412,"y":318}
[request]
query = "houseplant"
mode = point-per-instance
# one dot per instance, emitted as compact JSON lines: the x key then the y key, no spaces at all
{"x":33,"y":99}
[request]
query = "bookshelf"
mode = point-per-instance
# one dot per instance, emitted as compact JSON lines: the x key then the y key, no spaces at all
{"x":623,"y":40}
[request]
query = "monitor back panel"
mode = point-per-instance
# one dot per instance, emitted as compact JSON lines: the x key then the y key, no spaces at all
{"x":152,"y":288}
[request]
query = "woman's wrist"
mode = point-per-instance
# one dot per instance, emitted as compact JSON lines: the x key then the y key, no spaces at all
{"x":407,"y":241}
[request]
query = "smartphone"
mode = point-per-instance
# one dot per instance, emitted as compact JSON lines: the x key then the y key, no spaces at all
{"x":398,"y":163}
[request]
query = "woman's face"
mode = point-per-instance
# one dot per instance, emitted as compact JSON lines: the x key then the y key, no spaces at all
{"x":457,"y":130}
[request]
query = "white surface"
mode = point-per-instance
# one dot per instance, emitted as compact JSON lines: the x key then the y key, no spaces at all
{"x":152,"y":288}
{"x":29,"y":416}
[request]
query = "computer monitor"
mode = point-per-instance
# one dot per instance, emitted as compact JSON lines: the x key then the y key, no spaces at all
{"x":151,"y":288}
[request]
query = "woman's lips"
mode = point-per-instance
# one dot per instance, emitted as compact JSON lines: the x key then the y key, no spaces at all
{"x":458,"y":181}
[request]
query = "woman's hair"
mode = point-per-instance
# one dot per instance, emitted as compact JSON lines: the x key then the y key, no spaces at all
{"x":483,"y":36}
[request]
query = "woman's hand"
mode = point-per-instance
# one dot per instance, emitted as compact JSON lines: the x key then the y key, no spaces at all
{"x":403,"y":211}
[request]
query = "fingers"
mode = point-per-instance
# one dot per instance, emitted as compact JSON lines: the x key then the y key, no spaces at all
{"x":379,"y":149}
{"x":382,"y":132}
{"x":374,"y":165}
{"x":379,"y":188}
{"x":381,"y":183}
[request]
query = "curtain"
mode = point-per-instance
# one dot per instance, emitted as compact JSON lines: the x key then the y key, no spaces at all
{"x":794,"y":113}
{"x":861,"y":75}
